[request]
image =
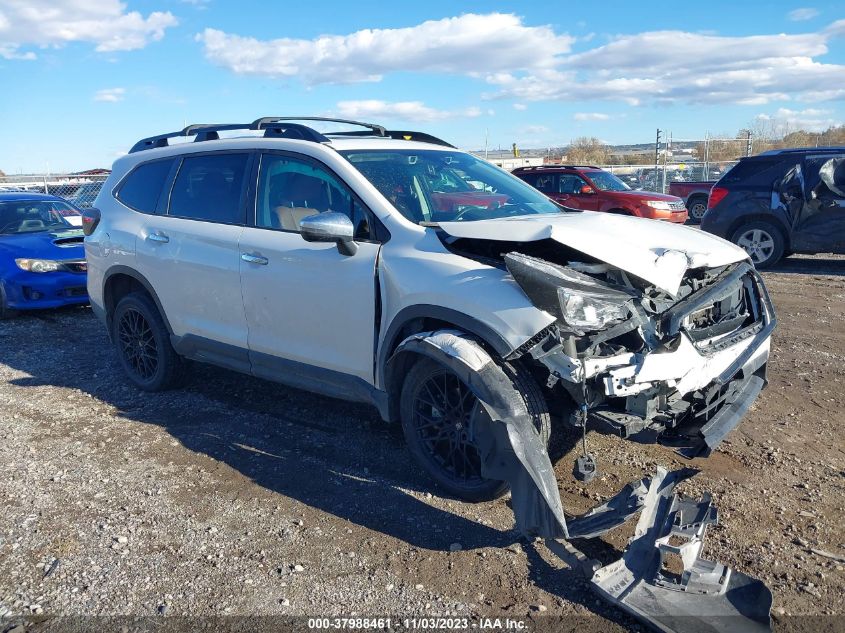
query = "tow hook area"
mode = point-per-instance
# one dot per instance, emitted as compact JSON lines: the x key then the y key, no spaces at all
{"x":660,"y":578}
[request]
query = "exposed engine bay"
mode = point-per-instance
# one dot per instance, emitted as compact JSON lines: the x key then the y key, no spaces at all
{"x":680,"y":368}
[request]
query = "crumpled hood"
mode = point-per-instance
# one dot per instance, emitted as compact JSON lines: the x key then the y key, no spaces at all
{"x":658,"y":252}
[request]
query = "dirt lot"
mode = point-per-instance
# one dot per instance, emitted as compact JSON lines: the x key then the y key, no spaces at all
{"x":238,"y":496}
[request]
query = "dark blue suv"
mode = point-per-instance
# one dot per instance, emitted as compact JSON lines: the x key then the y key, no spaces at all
{"x":782,"y":202}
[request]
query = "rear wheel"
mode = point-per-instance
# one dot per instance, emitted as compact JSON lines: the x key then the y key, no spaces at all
{"x":697,"y":206}
{"x":438,"y":414}
{"x":762,"y":241}
{"x":143,"y":344}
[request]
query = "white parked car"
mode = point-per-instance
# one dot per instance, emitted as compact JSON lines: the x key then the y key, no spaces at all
{"x":391,"y":268}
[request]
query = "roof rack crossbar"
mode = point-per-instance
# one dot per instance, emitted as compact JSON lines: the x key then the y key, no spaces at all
{"x":263,"y":122}
{"x":281,"y":127}
{"x":294,"y":131}
{"x":400,"y":135}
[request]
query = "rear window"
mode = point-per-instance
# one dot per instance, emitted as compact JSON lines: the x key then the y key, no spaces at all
{"x":208,"y":188}
{"x":142,"y":188}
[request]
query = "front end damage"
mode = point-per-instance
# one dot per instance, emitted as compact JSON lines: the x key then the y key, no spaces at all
{"x":680,"y":366}
{"x":699,"y":595}
{"x":681,"y":370}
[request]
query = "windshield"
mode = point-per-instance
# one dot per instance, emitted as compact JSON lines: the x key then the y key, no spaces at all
{"x":606,"y":181}
{"x":32,"y":216}
{"x":430,"y":186}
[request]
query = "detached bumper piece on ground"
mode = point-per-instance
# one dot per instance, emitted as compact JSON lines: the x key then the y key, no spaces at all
{"x":660,"y":579}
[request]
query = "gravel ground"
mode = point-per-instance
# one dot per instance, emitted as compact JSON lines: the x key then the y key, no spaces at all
{"x":235,"y":496}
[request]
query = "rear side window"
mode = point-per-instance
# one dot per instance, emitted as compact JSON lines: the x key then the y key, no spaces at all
{"x":209,"y":188}
{"x":746,"y":169}
{"x":142,"y":188}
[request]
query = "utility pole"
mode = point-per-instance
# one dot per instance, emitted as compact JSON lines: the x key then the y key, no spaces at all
{"x":486,"y":140}
{"x":657,"y":155}
{"x":748,"y":144}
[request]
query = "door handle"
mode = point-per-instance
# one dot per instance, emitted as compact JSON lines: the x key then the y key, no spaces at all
{"x":159,"y":237}
{"x":254,"y":259}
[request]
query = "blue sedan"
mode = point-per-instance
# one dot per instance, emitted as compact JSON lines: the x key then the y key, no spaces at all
{"x":42,"y":258}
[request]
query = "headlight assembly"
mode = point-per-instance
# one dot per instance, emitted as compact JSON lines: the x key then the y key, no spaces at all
{"x":589,"y":311}
{"x":658,"y":204}
{"x":579,"y":301}
{"x":38,"y":265}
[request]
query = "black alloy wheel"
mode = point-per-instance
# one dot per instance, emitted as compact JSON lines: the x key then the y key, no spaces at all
{"x":137,"y":344}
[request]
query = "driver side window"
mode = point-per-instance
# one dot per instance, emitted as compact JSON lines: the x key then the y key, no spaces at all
{"x":570,"y":183}
{"x":290,"y":189}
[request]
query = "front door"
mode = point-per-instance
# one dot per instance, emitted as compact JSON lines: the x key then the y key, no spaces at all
{"x":310,"y":309}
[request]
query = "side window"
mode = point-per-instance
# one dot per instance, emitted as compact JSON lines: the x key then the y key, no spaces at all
{"x":546,"y":183}
{"x":570,"y":183}
{"x":142,"y":188}
{"x":209,"y":188}
{"x":290,"y":189}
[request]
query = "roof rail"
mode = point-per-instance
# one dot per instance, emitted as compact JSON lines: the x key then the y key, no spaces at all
{"x":796,"y":150}
{"x":281,"y":127}
{"x":552,"y":166}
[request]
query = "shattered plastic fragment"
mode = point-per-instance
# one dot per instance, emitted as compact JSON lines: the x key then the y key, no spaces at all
{"x":700,"y":595}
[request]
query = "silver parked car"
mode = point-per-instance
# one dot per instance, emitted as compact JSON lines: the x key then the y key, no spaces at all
{"x":389,"y":267}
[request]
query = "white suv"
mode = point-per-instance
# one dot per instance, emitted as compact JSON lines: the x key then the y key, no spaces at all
{"x":389,"y":267}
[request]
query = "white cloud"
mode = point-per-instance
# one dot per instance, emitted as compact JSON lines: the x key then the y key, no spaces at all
{"x":681,"y":67}
{"x":590,"y":116}
{"x":785,"y":120}
{"x":469,"y":44}
{"x":805,"y":13}
{"x":110,"y":95}
{"x":53,"y":23}
{"x":534,"y":129}
{"x":402,"y":110}
{"x":520,"y":106}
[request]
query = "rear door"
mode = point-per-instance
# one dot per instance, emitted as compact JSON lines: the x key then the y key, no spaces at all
{"x":310,"y":310}
{"x":189,"y":253}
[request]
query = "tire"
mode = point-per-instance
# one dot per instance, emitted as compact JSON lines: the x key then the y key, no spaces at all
{"x":459,"y":478}
{"x":697,"y":206}
{"x":5,"y":311}
{"x":143,"y":344}
{"x":763,"y":242}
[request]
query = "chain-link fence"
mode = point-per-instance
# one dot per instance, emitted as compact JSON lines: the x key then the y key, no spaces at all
{"x":658,"y":178}
{"x":78,"y":189}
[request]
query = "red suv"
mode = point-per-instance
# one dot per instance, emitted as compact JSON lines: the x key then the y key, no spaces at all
{"x":594,"y":189}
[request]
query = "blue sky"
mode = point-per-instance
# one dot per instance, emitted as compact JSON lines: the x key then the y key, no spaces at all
{"x":84,"y":79}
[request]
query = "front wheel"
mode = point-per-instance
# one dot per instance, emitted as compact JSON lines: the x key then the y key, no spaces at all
{"x":762,"y":241}
{"x":438,"y":413}
{"x":143,"y":344}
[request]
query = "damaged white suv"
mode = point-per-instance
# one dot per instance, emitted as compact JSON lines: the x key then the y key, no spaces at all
{"x":389,"y":267}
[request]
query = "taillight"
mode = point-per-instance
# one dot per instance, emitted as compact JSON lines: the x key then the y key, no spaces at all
{"x":717,"y":194}
{"x":90,"y":220}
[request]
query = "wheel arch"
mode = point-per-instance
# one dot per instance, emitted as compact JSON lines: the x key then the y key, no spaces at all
{"x":392,"y":367}
{"x":121,"y":280}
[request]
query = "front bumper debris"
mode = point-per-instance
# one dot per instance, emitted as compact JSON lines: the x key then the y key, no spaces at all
{"x":702,"y":365}
{"x":699,"y":596}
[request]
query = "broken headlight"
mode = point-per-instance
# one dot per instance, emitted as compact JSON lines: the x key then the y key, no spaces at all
{"x":590,"y":311}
